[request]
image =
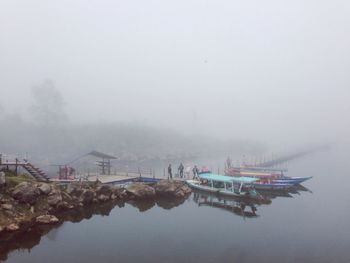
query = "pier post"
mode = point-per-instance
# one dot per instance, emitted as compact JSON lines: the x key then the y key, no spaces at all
{"x":16,"y":167}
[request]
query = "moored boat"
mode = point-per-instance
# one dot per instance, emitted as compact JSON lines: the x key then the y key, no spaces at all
{"x":292,"y":180}
{"x":251,"y":173}
{"x":275,"y":180}
{"x":272,"y":186}
{"x":225,"y":185}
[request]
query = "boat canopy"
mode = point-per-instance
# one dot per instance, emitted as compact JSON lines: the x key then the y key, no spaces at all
{"x":227,"y":179}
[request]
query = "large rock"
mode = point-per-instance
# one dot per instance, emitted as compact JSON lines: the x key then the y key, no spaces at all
{"x":54,"y":199}
{"x":44,"y":188}
{"x":12,"y":227}
{"x":7,"y":206}
{"x":2,"y":178}
{"x":104,"y":189}
{"x":64,"y":206}
{"x":120,"y":193}
{"x":172,"y":188}
{"x":25,"y":193}
{"x":140,"y":191}
{"x":87,"y":197}
{"x":46,"y":219}
{"x":74,"y":189}
{"x":102,"y":198}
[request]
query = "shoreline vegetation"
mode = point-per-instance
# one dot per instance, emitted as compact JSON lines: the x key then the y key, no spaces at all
{"x":28,"y":206}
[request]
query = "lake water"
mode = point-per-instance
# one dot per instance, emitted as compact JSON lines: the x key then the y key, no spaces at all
{"x":307,"y":226}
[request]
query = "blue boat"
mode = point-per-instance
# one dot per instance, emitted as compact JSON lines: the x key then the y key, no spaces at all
{"x":272,"y":186}
{"x":267,"y":176}
{"x":291,"y":180}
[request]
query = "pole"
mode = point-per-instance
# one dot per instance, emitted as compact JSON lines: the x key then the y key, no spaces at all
{"x":16,"y":167}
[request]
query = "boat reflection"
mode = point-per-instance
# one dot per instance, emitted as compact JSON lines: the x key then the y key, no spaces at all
{"x":246,"y":208}
{"x":295,"y":190}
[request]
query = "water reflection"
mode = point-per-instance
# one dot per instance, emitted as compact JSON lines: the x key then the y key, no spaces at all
{"x":235,"y":206}
{"x":26,"y":241}
{"x":246,"y":208}
{"x":165,"y":203}
{"x":295,"y":190}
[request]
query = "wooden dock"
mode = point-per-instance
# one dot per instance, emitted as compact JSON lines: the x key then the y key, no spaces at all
{"x":121,"y":177}
{"x":33,"y":170}
{"x":291,"y":157}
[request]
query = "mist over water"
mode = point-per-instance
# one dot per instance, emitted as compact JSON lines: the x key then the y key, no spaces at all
{"x":159,"y":82}
{"x":274,"y":73}
{"x":305,"y":226}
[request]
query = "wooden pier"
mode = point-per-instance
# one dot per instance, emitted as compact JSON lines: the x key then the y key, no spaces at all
{"x":290,"y":157}
{"x":15,"y":163}
{"x":124,"y":176}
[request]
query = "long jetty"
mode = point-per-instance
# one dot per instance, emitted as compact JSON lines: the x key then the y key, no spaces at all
{"x":290,"y":157}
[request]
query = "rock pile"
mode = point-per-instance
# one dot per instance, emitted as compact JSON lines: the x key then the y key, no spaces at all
{"x":31,"y":203}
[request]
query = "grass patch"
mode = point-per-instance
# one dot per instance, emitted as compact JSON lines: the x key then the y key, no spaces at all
{"x":12,"y":180}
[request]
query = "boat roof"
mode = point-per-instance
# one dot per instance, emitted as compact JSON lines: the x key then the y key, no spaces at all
{"x":227,"y":179}
{"x":102,"y":155}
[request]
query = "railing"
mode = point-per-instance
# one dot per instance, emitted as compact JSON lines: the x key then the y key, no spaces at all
{"x":121,"y":172}
{"x":13,"y":158}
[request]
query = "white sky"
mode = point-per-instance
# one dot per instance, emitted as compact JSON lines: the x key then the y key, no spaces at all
{"x":270,"y":70}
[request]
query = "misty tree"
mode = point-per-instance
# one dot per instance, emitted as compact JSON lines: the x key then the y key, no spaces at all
{"x":48,"y":108}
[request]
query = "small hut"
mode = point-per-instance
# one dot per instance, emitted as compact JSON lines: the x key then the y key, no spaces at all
{"x":105,"y":161}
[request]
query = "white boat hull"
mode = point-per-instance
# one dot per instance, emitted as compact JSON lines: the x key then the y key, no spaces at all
{"x":195,"y":184}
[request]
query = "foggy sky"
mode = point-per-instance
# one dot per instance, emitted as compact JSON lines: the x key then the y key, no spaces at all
{"x":273,"y":71}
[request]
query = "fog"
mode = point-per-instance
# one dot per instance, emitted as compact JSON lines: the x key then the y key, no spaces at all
{"x":173,"y":77}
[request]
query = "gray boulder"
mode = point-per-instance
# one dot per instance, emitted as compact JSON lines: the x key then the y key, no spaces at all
{"x":140,"y":191}
{"x":54,"y":199}
{"x":104,"y":189}
{"x":102,"y":198}
{"x":7,"y":206}
{"x":44,"y":188}
{"x":46,"y":219}
{"x":12,"y":227}
{"x":87,"y":197}
{"x":120,"y":192}
{"x":172,"y":188}
{"x":2,"y":178}
{"x":74,"y":189}
{"x":25,"y":193}
{"x":64,"y":206}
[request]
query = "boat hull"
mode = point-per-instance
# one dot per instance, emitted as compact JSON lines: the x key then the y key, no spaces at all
{"x":273,"y":186}
{"x":194,"y":184}
{"x":292,"y":180}
{"x":277,"y":180}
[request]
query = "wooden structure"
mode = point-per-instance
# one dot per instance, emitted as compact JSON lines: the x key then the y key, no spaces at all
{"x":15,"y":163}
{"x":105,"y":161}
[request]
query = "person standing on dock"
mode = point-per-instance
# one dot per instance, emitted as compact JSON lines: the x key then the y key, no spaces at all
{"x":195,"y":171}
{"x":181,"y":170}
{"x":170,"y":174}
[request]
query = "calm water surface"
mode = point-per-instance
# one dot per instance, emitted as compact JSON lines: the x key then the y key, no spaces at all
{"x":307,"y":226}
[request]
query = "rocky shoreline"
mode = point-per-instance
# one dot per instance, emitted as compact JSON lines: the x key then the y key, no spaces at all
{"x":30,"y":204}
